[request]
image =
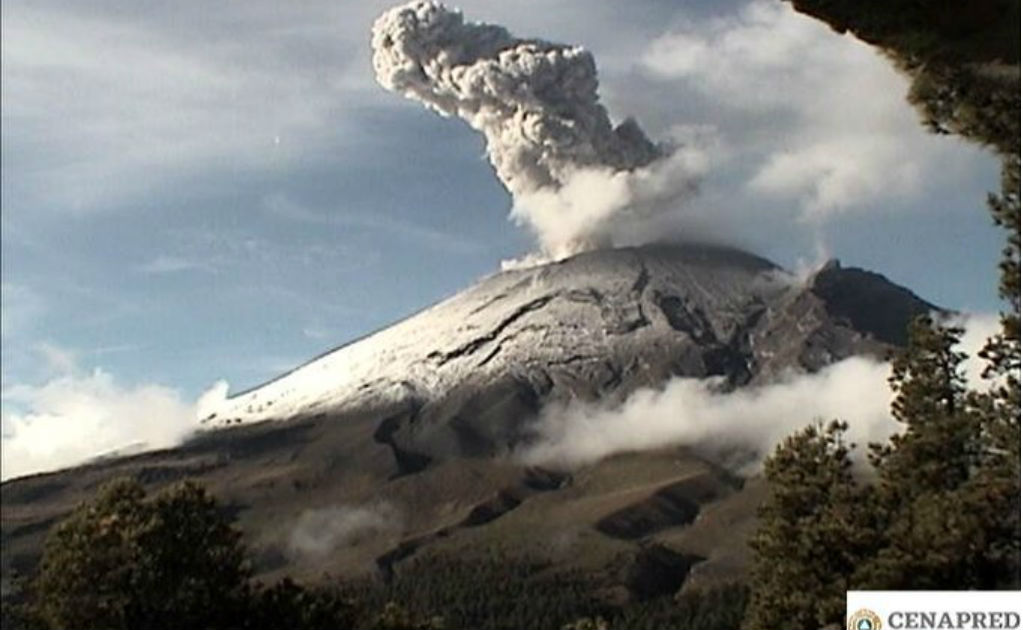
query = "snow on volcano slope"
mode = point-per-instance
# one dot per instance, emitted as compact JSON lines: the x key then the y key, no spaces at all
{"x":599,"y":324}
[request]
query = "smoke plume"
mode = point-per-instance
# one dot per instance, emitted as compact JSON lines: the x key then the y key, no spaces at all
{"x":573,"y":175}
{"x":321,"y":531}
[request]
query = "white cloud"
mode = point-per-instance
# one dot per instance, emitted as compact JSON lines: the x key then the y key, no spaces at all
{"x":977,"y":329}
{"x":821,"y":116}
{"x":323,"y":530}
{"x":691,"y":412}
{"x":74,"y":418}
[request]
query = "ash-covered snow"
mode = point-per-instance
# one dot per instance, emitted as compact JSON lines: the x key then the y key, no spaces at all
{"x":598,"y":325}
{"x":596,"y":307}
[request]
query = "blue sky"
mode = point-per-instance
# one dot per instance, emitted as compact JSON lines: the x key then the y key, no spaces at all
{"x":196,"y":191}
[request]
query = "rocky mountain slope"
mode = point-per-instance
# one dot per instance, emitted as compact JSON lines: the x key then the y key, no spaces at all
{"x":393,"y":446}
{"x":462,"y":377}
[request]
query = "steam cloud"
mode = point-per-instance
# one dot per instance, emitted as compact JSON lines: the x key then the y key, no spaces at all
{"x":322,"y":531}
{"x":575,"y":178}
{"x":689,"y":412}
{"x":749,"y":421}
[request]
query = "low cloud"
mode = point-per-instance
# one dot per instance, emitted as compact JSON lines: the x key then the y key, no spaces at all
{"x":323,"y":530}
{"x":749,"y":421}
{"x":74,"y":418}
{"x":75,"y":415}
{"x":978,"y":328}
{"x":691,"y":412}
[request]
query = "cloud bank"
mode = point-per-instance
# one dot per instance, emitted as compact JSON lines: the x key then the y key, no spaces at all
{"x":74,"y":418}
{"x":745,"y":424}
{"x":571,"y":172}
{"x":689,"y":412}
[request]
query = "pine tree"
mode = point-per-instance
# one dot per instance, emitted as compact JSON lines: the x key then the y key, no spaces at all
{"x":997,"y":483}
{"x":939,"y":447}
{"x":943,"y":503}
{"x":810,"y":537}
{"x":121,"y":561}
{"x":174,"y":560}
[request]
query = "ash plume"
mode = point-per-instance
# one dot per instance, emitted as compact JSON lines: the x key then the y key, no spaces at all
{"x":573,"y":175}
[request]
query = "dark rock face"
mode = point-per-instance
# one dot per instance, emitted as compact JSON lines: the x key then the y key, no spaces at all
{"x":656,"y":570}
{"x":867,"y":302}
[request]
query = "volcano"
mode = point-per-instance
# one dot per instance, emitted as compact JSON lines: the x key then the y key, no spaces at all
{"x":414,"y":423}
{"x":462,"y":378}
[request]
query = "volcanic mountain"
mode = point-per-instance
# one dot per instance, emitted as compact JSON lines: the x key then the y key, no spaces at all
{"x":463,"y":376}
{"x":400,"y":445}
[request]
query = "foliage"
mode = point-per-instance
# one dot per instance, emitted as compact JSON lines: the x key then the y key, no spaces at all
{"x":940,"y":512}
{"x":939,"y":447}
{"x":290,"y":605}
{"x":943,"y":511}
{"x":128,"y":560}
{"x":811,"y":536}
{"x":125,"y":560}
{"x":712,"y":608}
{"x":939,"y":501}
{"x":394,"y":617}
{"x":497,"y":591}
{"x":121,"y":561}
{"x":587,"y":623}
{"x":494,"y":591}
{"x":962,"y":59}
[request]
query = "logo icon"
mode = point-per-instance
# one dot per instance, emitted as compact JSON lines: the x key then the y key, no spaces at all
{"x":864,"y":619}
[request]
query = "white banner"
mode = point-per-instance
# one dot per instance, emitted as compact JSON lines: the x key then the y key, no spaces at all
{"x":933,"y":610}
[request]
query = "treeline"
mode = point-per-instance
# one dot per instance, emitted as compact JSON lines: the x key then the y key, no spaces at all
{"x":501,"y":592}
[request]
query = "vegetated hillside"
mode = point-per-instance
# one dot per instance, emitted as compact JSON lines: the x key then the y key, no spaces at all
{"x":353,"y":481}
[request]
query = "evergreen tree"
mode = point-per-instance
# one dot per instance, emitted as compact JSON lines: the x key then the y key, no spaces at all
{"x":173,"y":560}
{"x":944,"y":510}
{"x":121,"y":561}
{"x":811,"y":536}
{"x":943,"y":500}
{"x":290,"y":606}
{"x":1002,"y":402}
{"x":939,"y":446}
{"x":396,"y":617}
